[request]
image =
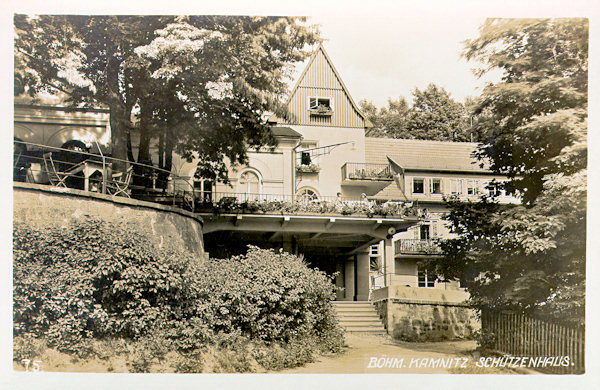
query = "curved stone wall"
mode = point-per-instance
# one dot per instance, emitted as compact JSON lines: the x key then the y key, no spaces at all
{"x":171,"y":227}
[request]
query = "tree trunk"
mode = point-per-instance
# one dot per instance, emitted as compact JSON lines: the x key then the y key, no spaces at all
{"x":118,"y":128}
{"x":145,"y":135}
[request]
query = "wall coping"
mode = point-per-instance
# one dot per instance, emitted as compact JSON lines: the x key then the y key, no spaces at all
{"x":106,"y":198}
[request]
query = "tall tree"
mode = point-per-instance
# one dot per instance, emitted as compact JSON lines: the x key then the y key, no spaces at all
{"x":435,"y":115}
{"x":199,"y":84}
{"x":387,"y":122}
{"x":530,"y":256}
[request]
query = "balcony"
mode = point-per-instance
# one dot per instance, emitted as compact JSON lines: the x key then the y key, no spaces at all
{"x":363,"y":174}
{"x":417,"y":247}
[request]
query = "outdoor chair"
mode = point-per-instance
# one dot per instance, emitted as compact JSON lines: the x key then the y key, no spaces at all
{"x":57,"y":176}
{"x":119,"y":185}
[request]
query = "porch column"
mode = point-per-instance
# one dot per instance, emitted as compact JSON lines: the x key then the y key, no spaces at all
{"x":362,"y":276}
{"x":288,"y":244}
{"x":339,"y":281}
{"x":389,"y":265}
{"x":349,"y":280}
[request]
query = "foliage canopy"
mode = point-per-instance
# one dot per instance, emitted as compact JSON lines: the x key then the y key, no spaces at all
{"x":434,"y":115}
{"x":529,"y":257}
{"x":199,"y":85}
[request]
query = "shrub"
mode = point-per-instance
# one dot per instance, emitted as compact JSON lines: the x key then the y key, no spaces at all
{"x":92,"y":281}
{"x":266,"y":295}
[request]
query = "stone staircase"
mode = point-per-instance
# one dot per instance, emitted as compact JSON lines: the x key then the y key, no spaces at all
{"x":358,"y":317}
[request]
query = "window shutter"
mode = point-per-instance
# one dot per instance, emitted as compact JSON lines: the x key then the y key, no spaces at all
{"x":416,"y":231}
{"x":434,"y":228}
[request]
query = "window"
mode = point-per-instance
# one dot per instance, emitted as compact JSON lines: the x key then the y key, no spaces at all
{"x":375,"y":250}
{"x":374,"y":258}
{"x":472,"y":187}
{"x":203,"y":190}
{"x":426,"y":280}
{"x":435,"y":186}
{"x":306,"y":195}
{"x":424,"y":232}
{"x":418,"y":186}
{"x":320,"y":105}
{"x":494,"y":189}
{"x":456,"y":187}
{"x":249,"y":184}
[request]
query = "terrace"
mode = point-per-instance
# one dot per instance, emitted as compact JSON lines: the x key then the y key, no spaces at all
{"x":77,"y":167}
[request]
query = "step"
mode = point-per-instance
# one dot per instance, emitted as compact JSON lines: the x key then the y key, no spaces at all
{"x":366,"y":329}
{"x":376,"y":324}
{"x":358,"y":317}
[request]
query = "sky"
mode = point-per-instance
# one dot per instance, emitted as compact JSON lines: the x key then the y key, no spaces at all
{"x":390,"y":55}
{"x":381,"y":48}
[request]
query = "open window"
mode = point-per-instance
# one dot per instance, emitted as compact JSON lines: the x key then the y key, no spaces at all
{"x":203,"y":190}
{"x":418,"y":185}
{"x":320,"y":105}
{"x":472,"y":187}
{"x":435,"y":186}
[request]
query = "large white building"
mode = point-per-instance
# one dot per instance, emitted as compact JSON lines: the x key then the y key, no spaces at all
{"x":324,"y":158}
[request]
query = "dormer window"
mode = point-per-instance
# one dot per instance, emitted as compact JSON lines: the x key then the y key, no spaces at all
{"x":320,"y":105}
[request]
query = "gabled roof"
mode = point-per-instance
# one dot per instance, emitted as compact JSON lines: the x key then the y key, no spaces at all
{"x":303,"y":81}
{"x":391,"y":192}
{"x":424,"y":155}
{"x":281,"y":131}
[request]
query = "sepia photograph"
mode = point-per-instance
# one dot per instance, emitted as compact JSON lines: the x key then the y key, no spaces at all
{"x":280,"y":193}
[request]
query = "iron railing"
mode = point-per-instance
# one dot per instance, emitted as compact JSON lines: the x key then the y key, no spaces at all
{"x":409,"y":246}
{"x":365,"y":171}
{"x":100,"y":173}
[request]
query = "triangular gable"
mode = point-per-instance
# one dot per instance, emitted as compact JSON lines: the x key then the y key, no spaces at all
{"x":321,"y":79}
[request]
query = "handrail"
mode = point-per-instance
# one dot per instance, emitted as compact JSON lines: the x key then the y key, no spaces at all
{"x":179,"y":191}
{"x":26,"y":158}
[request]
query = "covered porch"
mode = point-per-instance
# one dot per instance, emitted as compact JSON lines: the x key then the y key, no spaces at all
{"x":333,"y":243}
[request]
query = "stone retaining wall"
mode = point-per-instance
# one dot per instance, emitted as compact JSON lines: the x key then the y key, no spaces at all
{"x":170,"y":227}
{"x":421,"y":314}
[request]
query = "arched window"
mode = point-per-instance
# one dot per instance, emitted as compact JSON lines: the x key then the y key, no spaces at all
{"x":249,"y":184}
{"x":306,"y":194}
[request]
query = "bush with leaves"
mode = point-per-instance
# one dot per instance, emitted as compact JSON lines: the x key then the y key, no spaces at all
{"x":266,"y":295}
{"x":97,"y":281}
{"x":93,"y":279}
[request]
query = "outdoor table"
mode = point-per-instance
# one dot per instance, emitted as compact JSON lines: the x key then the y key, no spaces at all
{"x":89,"y":167}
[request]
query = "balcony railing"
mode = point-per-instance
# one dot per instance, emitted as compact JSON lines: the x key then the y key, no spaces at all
{"x":364,"y":171}
{"x":279,"y":204}
{"x":420,"y":247}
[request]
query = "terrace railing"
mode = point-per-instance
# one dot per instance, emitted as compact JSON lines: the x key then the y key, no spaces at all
{"x":96,"y":172}
{"x":365,"y":171}
{"x":100,"y":173}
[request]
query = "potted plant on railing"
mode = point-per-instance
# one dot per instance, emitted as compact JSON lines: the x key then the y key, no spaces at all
{"x":322,"y":110}
{"x":358,"y":174}
{"x":310,"y":168}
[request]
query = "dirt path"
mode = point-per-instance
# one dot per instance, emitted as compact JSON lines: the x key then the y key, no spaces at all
{"x":380,"y":354}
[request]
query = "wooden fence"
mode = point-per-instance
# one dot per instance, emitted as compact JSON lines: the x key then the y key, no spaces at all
{"x":520,"y":336}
